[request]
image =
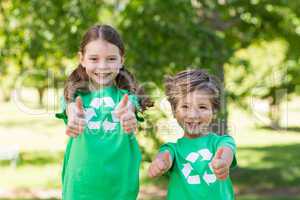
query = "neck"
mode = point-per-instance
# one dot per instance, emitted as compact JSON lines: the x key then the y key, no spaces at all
{"x":192,"y":136}
{"x":96,"y":86}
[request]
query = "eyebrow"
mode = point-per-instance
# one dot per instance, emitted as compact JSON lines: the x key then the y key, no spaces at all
{"x":114,"y":55}
{"x":203,"y":105}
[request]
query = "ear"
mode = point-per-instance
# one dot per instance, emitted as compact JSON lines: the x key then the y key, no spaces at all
{"x":122,"y":60}
{"x":173,"y":107}
{"x":214,"y":115}
{"x":81,"y":58}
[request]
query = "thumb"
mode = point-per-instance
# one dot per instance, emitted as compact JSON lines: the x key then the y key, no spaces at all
{"x":79,"y":105}
{"x":166,"y":156}
{"x":219,"y":153}
{"x":123,"y":103}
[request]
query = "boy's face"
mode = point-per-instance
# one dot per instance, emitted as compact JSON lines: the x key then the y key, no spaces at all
{"x":194,"y":112}
{"x":102,"y":62}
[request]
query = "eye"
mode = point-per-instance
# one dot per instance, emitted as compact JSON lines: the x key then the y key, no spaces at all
{"x":93,"y":59}
{"x":203,"y":107}
{"x":111,"y":59}
{"x":184,"y":106}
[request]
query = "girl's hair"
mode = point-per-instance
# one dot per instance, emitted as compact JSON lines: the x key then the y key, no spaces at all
{"x":79,"y":80}
{"x":188,"y":81}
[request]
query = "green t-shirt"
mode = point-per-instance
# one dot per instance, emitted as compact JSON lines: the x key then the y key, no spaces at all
{"x":103,"y":162}
{"x":191,"y":175}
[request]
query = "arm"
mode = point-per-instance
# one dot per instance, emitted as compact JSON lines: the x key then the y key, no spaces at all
{"x":76,"y":118}
{"x":125,"y":111}
{"x":160,"y":165}
{"x":222,"y":161}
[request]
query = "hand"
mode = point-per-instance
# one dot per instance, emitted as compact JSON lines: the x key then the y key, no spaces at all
{"x":76,"y":118}
{"x":221,"y":164}
{"x":160,"y":165}
{"x":125,"y":113}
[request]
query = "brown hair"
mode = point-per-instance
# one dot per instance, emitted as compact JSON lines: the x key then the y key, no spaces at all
{"x":79,"y":80}
{"x":190,"y":80}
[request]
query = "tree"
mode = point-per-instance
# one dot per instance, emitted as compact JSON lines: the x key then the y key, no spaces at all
{"x":41,"y":42}
{"x":164,"y":37}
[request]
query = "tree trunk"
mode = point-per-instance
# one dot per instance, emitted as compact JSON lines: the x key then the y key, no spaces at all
{"x":274,"y":111}
{"x":274,"y":115}
{"x":220,"y":124}
{"x":278,"y":95}
{"x":41,"y":94}
{"x":6,"y":94}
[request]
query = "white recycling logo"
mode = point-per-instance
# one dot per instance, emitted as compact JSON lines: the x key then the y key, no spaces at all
{"x":90,"y":113}
{"x":109,"y":126}
{"x":193,"y":157}
{"x":104,"y":101}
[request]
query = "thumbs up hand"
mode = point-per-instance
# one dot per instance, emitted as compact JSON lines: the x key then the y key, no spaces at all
{"x":160,"y":165}
{"x":76,"y":120}
{"x":125,"y":113}
{"x":221,"y":162}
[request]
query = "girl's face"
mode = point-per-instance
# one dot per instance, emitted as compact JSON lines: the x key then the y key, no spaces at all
{"x":194,"y":113}
{"x":102,"y":62}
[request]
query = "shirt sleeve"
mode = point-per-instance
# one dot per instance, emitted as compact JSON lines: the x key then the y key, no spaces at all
{"x":62,"y":115}
{"x":135,"y":101}
{"x":228,"y":141}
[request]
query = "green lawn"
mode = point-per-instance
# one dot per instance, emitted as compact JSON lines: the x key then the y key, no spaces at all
{"x":268,"y":160}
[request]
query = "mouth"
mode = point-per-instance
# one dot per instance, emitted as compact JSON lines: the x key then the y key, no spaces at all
{"x":103,"y":78}
{"x":195,"y":127}
{"x":103,"y":74}
{"x":192,"y":125}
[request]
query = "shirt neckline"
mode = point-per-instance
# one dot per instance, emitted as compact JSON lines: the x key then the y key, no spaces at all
{"x":195,"y":139}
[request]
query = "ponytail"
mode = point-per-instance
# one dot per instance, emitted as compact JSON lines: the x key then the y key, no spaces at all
{"x":77,"y":81}
{"x":125,"y":80}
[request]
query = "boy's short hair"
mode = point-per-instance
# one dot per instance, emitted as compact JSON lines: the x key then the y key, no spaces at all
{"x":187,"y":81}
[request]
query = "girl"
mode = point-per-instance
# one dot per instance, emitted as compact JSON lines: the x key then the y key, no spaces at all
{"x":199,"y":162}
{"x":102,"y":157}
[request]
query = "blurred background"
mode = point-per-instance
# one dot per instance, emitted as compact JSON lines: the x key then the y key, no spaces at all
{"x":253,"y":47}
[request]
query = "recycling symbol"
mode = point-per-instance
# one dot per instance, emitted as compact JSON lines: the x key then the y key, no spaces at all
{"x":89,"y":113}
{"x":199,"y":156}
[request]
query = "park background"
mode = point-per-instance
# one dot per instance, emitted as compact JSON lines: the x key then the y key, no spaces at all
{"x":253,"y":46}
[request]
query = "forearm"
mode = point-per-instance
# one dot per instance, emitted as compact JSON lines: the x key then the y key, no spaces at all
{"x":160,"y":165}
{"x":165,"y":156}
{"x":68,"y":108}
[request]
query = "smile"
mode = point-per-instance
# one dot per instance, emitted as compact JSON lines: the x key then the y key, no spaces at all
{"x":103,"y":75}
{"x":193,"y":125}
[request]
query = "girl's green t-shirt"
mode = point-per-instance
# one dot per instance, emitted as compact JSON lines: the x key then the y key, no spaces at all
{"x":103,"y":162}
{"x":191,"y":175}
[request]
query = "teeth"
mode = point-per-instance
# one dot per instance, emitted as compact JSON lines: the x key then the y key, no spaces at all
{"x":102,"y":74}
{"x":192,"y":124}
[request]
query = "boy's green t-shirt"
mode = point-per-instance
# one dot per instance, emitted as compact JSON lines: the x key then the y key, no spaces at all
{"x":103,"y":162}
{"x":191,"y":175}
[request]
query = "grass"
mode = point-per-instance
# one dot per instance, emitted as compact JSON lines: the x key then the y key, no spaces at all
{"x":31,"y":166}
{"x":269,"y":165}
{"x":267,"y":168}
{"x":240,"y":198}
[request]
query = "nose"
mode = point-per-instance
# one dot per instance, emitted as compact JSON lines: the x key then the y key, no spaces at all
{"x":102,"y":64}
{"x":193,"y":114}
